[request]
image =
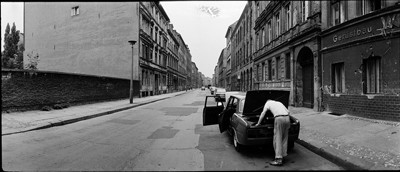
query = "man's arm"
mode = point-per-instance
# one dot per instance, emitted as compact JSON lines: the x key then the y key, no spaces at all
{"x":262,"y":115}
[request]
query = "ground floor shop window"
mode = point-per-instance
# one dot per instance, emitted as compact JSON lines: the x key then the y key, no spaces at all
{"x":338,"y":78}
{"x":371,"y":75}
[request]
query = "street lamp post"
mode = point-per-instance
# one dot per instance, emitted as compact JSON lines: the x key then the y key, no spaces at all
{"x":131,"y":85}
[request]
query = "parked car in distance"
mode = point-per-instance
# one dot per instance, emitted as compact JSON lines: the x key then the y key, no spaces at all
{"x":203,"y":88}
{"x":239,"y":113}
{"x":220,"y":93}
{"x":212,"y":89}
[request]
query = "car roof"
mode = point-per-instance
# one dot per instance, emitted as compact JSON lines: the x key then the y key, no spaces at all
{"x":237,"y":94}
{"x":221,"y":89}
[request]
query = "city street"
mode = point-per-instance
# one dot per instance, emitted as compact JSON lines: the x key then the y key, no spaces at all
{"x":165,"y":135}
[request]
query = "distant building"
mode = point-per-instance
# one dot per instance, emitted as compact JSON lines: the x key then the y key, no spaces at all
{"x":222,"y":69}
{"x":242,"y":50}
{"x":228,"y":52}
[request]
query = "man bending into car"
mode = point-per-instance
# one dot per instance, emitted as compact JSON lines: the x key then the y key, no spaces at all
{"x":281,"y":129}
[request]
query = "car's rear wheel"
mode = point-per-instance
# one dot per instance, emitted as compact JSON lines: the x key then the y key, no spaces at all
{"x":236,"y":144}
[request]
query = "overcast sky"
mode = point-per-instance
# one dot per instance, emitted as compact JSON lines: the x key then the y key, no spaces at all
{"x":202,"y":24}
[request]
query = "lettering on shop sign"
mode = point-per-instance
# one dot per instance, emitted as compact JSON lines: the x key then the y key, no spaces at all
{"x":377,"y":26}
{"x":353,"y":33}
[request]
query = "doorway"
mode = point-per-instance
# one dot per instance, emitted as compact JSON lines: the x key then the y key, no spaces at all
{"x":306,"y":62}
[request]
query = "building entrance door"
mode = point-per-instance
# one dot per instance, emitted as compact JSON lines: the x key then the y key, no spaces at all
{"x":156,"y":85}
{"x":308,"y":86}
{"x":305,"y":58}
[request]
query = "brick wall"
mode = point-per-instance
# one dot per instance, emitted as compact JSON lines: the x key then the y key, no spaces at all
{"x":385,"y":107}
{"x":22,"y":90}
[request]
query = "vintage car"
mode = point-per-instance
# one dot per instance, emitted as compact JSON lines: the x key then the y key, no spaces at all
{"x":239,"y":113}
{"x":203,"y":88}
{"x":220,"y":94}
{"x":212,"y":89}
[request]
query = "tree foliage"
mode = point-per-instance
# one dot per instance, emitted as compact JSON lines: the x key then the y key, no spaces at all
{"x":33,"y":60}
{"x":12,"y":56}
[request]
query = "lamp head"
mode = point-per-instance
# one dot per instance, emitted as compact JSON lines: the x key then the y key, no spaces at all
{"x":132,"y":42}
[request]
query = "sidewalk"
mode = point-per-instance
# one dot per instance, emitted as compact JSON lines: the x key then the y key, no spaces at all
{"x":17,"y":122}
{"x":352,"y":142}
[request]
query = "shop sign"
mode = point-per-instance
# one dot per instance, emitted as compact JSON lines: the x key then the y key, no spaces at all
{"x":379,"y":26}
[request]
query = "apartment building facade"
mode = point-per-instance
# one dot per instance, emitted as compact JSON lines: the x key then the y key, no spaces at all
{"x":286,"y":53}
{"x":81,"y":37}
{"x":222,"y":69}
{"x":228,"y":53}
{"x":360,"y":58}
{"x":153,"y":50}
{"x":242,"y":50}
{"x":89,"y":38}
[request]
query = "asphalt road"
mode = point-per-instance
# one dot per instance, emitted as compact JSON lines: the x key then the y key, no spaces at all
{"x":166,"y":135}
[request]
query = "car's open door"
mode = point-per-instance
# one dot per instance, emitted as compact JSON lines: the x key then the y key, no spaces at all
{"x":224,"y":118}
{"x":211,"y":109}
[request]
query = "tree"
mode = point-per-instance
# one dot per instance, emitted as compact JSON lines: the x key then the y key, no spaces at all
{"x":12,"y":54}
{"x":33,"y":59}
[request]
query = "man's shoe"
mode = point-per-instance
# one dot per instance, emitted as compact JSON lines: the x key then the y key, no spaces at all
{"x":277,"y":162}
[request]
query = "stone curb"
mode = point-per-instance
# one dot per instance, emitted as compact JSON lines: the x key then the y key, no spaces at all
{"x":347,"y":165}
{"x":73,"y":120}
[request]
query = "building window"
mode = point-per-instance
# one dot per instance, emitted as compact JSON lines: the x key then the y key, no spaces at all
{"x":287,"y":60}
{"x":270,"y":71}
{"x":302,"y":11}
{"x":263,"y":37}
{"x":266,"y":72}
{"x":278,"y":67}
{"x":262,"y":72}
{"x":371,"y":75}
{"x":75,"y":11}
{"x":269,"y":31}
{"x":338,"y":78}
{"x":335,"y":14}
{"x":367,"y":6}
{"x":278,"y":25}
{"x":156,"y":32}
{"x":151,"y":31}
{"x":338,"y":12}
{"x":257,"y":47}
{"x":288,"y":17}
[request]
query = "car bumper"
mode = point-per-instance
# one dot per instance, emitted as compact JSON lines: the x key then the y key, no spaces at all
{"x":244,"y":139}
